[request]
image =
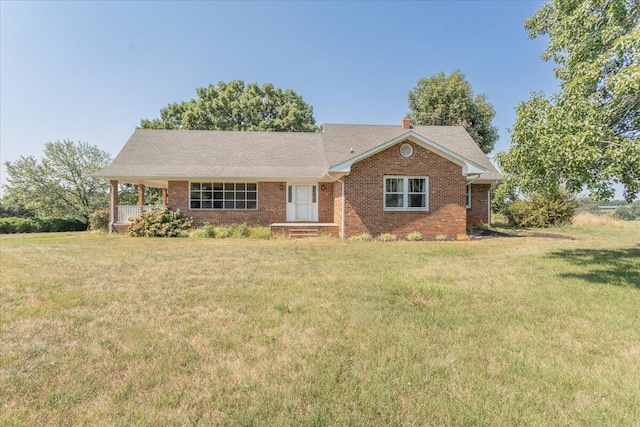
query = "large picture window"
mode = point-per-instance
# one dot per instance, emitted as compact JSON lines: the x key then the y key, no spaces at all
{"x":406,"y":193}
{"x":223,"y":195}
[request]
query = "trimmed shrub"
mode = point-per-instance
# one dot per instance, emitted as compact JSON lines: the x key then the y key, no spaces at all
{"x":99,"y":220}
{"x":542,"y":211}
{"x":414,"y":236}
{"x":387,"y":237}
{"x":160,"y":223}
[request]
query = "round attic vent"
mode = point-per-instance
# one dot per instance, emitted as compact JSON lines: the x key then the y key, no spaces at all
{"x":406,"y":150}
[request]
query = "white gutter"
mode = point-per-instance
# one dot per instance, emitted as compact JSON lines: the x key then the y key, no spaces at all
{"x":343,"y":209}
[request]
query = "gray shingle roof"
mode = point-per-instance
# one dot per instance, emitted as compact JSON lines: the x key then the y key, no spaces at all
{"x":164,"y":154}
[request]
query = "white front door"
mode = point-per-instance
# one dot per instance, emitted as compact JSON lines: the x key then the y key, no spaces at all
{"x":302,"y":204}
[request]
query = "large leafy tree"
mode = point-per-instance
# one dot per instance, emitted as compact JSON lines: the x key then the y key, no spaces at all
{"x":60,"y":184}
{"x":238,"y":106}
{"x":448,"y":100}
{"x":587,"y":135}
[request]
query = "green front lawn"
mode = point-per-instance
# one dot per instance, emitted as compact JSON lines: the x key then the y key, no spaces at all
{"x":104,"y":330}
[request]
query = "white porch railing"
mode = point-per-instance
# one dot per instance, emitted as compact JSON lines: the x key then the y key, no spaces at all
{"x":133,"y":211}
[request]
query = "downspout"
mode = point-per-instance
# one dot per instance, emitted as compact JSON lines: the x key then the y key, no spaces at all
{"x":343,"y":209}
{"x":489,"y":206}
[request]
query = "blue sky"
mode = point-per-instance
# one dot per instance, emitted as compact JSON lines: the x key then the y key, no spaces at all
{"x":89,"y":71}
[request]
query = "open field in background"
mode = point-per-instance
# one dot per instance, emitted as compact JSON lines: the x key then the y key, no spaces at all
{"x":114,"y":330}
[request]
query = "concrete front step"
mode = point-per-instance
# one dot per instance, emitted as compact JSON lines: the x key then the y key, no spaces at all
{"x":302,"y":230}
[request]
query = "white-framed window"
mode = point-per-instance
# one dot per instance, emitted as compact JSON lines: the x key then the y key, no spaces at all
{"x":406,"y":193}
{"x":468,"y":196}
{"x":223,"y":195}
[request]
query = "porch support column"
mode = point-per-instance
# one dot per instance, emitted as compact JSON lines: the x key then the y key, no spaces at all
{"x":164,"y":196}
{"x":113,"y":203}
{"x":140,"y":194}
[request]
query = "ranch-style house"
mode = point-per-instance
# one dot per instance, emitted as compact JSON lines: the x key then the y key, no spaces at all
{"x":345,"y":180}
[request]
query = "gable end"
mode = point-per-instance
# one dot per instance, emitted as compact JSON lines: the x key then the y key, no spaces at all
{"x":468,"y":167}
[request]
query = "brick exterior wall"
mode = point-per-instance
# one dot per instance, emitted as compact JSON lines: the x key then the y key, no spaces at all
{"x":337,"y":202}
{"x":271,"y":205}
{"x":325,"y":202}
{"x":364,"y":193}
{"x":478,"y":213}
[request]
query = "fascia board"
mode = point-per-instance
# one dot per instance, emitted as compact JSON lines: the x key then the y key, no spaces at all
{"x":140,"y":179}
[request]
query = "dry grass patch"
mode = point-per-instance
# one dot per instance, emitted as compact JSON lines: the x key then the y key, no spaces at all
{"x":100,"y":329}
{"x":592,"y":220}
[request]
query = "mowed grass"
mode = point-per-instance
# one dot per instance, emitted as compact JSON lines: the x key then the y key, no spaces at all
{"x":113,"y":330}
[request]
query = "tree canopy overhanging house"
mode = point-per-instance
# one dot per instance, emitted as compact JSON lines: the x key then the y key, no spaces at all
{"x":586,"y":136}
{"x":345,"y":180}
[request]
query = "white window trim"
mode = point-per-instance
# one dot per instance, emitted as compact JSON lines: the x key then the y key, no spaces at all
{"x":223,"y":208}
{"x":468,"y":196}
{"x":405,"y":193}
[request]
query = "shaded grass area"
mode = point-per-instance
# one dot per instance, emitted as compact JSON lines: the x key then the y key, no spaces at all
{"x":115,"y":330}
{"x":605,"y":266}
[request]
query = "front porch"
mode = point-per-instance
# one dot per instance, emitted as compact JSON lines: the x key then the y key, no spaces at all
{"x":133,"y":211}
{"x":119,"y":215}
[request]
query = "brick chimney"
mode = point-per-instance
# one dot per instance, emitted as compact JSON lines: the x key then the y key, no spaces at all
{"x":406,"y":123}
